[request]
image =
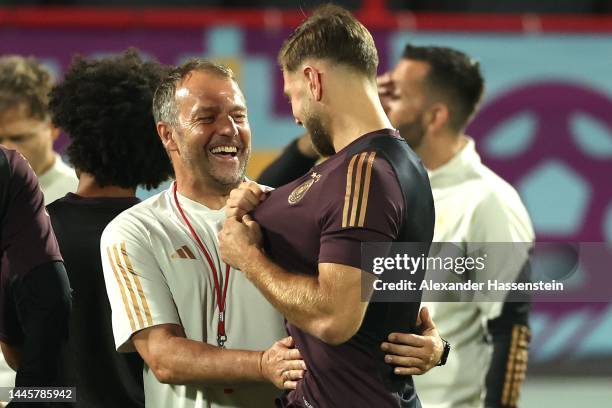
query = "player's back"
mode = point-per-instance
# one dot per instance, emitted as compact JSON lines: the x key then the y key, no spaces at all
{"x":103,"y":376}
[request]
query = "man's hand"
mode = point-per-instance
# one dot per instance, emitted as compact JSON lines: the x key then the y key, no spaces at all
{"x":245,"y":198}
{"x":414,"y":354}
{"x":385,"y":89}
{"x":282,"y":364}
{"x":237,"y":239}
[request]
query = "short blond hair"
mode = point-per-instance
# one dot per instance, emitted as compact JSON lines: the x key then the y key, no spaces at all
{"x":24,"y":80}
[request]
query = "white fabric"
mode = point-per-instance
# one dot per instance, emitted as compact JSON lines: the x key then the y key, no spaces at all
{"x":473,"y":205}
{"x":58,"y":181}
{"x":167,"y":286}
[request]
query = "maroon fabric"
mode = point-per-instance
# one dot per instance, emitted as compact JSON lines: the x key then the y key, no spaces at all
{"x":300,"y":235}
{"x":26,"y":236}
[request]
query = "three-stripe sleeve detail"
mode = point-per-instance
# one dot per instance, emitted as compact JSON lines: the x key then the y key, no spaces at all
{"x":358,"y":180}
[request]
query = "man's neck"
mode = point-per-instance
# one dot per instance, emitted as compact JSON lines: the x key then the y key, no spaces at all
{"x":352,"y":120}
{"x":45,"y":165}
{"x":213,"y":197}
{"x":440,"y":149}
{"x":88,"y":187}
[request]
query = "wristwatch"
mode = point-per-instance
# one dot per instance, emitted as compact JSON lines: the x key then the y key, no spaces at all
{"x":445,"y":353}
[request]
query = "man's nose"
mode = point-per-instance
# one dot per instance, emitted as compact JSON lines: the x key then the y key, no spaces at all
{"x":227,"y":127}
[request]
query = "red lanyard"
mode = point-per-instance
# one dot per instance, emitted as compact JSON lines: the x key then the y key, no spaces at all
{"x":221,"y":297}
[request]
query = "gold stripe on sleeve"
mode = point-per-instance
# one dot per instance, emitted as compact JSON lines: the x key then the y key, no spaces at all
{"x":357,"y":190}
{"x":347,"y":194}
{"x":510,"y":367}
{"x":366,"y":191}
{"x":126,"y":279}
{"x":121,"y":288}
{"x":520,"y":370}
{"x":188,"y":252}
{"x":143,"y":298}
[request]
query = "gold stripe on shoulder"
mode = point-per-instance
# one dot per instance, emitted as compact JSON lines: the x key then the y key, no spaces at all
{"x":347,"y":194}
{"x":357,"y":190}
{"x":366,"y":189}
{"x":143,"y":298}
{"x":128,"y":283}
{"x":121,"y":288}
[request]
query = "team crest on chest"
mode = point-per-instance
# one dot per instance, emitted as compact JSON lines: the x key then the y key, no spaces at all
{"x":300,"y":191}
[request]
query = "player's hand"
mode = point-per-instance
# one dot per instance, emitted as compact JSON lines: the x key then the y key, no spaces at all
{"x":236,"y":238}
{"x":385,"y":89}
{"x":282,"y":364}
{"x":414,"y":354}
{"x":245,"y":198}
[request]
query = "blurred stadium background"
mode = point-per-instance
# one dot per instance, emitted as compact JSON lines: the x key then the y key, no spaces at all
{"x":545,"y":125}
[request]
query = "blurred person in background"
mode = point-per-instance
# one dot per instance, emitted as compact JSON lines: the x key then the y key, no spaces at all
{"x":430,"y":97}
{"x":104,"y":106}
{"x":25,"y":124}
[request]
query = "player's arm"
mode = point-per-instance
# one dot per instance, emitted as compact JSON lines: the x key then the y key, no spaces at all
{"x":327,"y":306}
{"x":294,"y":161}
{"x":175,"y":359}
{"x":39,"y":285}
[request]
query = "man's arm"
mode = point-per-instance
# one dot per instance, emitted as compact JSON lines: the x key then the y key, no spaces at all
{"x":175,"y":359}
{"x":328,"y":306}
{"x":12,"y":355}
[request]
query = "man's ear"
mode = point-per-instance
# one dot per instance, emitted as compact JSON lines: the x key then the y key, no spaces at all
{"x":438,"y":116}
{"x":315,"y":86}
{"x":166,"y":134}
{"x":55,"y":131}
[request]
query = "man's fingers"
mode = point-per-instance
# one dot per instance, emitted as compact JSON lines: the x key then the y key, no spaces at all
{"x":234,"y":212}
{"x":292,"y":354}
{"x":405,"y":351}
{"x":290,"y":385}
{"x":407,"y":339}
{"x":406,"y":362}
{"x":424,"y":321}
{"x":287,"y":341}
{"x":408,"y":371}
{"x":295,"y":365}
{"x":290,"y":375}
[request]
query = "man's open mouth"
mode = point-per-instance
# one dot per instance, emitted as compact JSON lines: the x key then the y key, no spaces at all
{"x":224,"y":151}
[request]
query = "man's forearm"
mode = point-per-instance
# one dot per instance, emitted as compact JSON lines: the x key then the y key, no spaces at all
{"x":299,"y":298}
{"x":185,"y":361}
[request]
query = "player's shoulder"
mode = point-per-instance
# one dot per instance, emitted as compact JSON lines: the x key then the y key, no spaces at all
{"x":138,"y":219}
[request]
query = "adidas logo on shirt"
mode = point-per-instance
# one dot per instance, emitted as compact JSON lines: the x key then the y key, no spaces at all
{"x":183,"y":253}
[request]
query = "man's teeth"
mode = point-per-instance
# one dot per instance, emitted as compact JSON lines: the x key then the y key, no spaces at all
{"x":224,"y":149}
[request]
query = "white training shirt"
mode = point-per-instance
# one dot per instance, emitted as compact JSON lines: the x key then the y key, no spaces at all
{"x":58,"y":181}
{"x":473,"y":205}
{"x":155,"y":273}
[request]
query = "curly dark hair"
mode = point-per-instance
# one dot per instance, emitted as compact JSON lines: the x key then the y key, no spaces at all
{"x":105,"y":107}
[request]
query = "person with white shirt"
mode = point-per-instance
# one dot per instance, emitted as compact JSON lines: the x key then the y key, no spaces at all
{"x":25,"y":123}
{"x":430,"y":96}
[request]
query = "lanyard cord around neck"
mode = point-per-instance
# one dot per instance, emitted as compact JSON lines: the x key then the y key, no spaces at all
{"x":221,"y":297}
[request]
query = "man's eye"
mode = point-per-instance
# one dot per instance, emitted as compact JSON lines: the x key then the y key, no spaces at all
{"x":240,"y":116}
{"x":17,"y":139}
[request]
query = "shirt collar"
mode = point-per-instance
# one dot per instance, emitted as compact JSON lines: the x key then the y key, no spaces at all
{"x":466,"y":157}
